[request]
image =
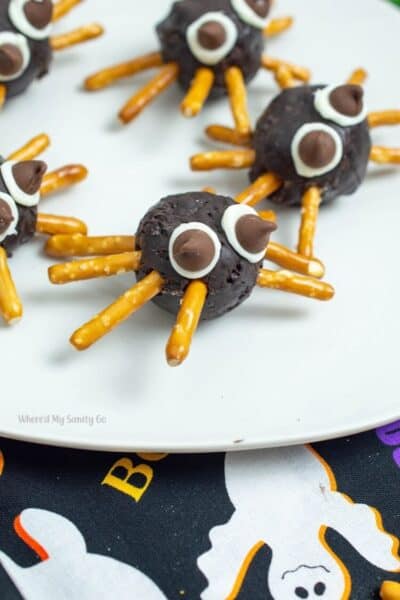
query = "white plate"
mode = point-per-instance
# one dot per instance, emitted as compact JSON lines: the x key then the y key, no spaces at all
{"x":280,"y":369}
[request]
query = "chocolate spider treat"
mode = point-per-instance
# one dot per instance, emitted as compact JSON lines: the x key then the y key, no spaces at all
{"x":196,"y":255}
{"x":185,"y":237}
{"x":26,"y":44}
{"x":218,"y":34}
{"x":314,"y":136}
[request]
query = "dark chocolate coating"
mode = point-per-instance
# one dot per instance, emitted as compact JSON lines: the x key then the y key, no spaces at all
{"x":41,"y":56}
{"x":272,"y":142}
{"x":26,"y":223}
{"x":232,"y":280}
{"x":246,"y":53}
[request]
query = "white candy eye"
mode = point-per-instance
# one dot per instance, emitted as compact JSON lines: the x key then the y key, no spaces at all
{"x":342,"y":104}
{"x":253,"y":12}
{"x":14,"y":55}
{"x":211,"y":37}
{"x":8,"y":216}
{"x":246,"y":232}
{"x":23,"y":180}
{"x":316,"y":149}
{"x":32,"y":17}
{"x":194,"y":250}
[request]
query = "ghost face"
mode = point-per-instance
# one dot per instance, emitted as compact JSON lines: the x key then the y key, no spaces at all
{"x":310,"y":582}
{"x":314,"y":136}
{"x":205,"y":237}
{"x":25,"y":52}
{"x":19,"y":197}
{"x":216,"y":34}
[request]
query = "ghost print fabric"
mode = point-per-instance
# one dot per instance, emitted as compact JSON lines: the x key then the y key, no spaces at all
{"x":319,"y":521}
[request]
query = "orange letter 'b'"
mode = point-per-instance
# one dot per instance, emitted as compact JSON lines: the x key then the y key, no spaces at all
{"x":122,"y":483}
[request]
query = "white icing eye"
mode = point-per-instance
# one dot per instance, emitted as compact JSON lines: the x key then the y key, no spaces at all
{"x":15,"y":55}
{"x":342,"y":104}
{"x":316,"y":149}
{"x":211,"y":37}
{"x":32,"y":17}
{"x":8,"y":216}
{"x":23,"y":180}
{"x":246,"y":232}
{"x":194,"y":250}
{"x":253,"y":12}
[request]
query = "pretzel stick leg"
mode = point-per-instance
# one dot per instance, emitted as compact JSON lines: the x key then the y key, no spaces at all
{"x":268,"y":215}
{"x":278,"y":26}
{"x":119,"y":311}
{"x":358,"y":77}
{"x":198,"y":92}
{"x":179,"y":343}
{"x":3,"y":95}
{"x":52,"y":224}
{"x":384,"y":156}
{"x":93,"y":268}
{"x":106,"y":77}
{"x":390,"y":590}
{"x":287,"y":259}
{"x":82,"y":245}
{"x":284,"y":77}
{"x":166,"y":77}
{"x":31,"y":149}
{"x":78,"y":36}
{"x":229,"y":159}
{"x":62,"y":7}
{"x":384,"y":117}
{"x":219,"y":133}
{"x":10,"y":304}
{"x":62,"y":178}
{"x":309,"y":217}
{"x":296,"y":71}
{"x":237,"y":93}
{"x":263,"y":187}
{"x":295,"y":284}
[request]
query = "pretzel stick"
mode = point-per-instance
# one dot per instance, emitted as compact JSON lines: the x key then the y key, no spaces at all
{"x":93,"y":268}
{"x":178,"y":345}
{"x":77,"y":36}
{"x":295,"y":284}
{"x":3,"y":94}
{"x":198,"y":93}
{"x":166,"y":77}
{"x":62,"y":7}
{"x":385,"y":117}
{"x":53,"y":224}
{"x":263,"y":187}
{"x":10,"y":304}
{"x":229,"y":159}
{"x":106,"y":77}
{"x":31,"y":149}
{"x":287,"y":259}
{"x":383,"y":155}
{"x":358,"y":77}
{"x":309,"y":217}
{"x":209,"y":190}
{"x":267,"y":215}
{"x":141,"y":293}
{"x":273,"y":64}
{"x":277,"y":26}
{"x":284,"y":77}
{"x":237,"y":93}
{"x":390,"y":590}
{"x":82,"y":245}
{"x":61,"y":178}
{"x":219,"y":133}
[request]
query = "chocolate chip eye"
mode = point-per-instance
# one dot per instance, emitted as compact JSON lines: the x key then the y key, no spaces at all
{"x":246,"y":232}
{"x":253,"y":12}
{"x":316,"y":149}
{"x":8,"y":216}
{"x":23,"y":180}
{"x":342,"y":104}
{"x":32,"y":17}
{"x":14,"y":55}
{"x":319,"y":589}
{"x":211,"y":37}
{"x":194,"y":250}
